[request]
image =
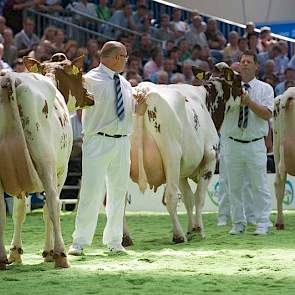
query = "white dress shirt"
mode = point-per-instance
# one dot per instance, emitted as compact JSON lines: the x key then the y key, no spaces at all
{"x":263,"y":94}
{"x":102,"y":117}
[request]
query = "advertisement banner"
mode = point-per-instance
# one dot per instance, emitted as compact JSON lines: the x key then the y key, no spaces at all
{"x":150,"y":201}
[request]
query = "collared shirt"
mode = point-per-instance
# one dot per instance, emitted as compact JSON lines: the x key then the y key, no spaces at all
{"x":102,"y":117}
{"x":262,"y":93}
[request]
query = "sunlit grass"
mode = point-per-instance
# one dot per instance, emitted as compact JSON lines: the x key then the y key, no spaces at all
{"x":220,"y":263}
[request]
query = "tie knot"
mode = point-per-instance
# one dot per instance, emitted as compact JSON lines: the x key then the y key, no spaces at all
{"x":116,"y":76}
{"x":246,"y":86}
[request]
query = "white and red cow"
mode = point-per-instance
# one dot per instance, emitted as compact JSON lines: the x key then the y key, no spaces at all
{"x":284,"y":146}
{"x":176,"y":140}
{"x":35,"y":145}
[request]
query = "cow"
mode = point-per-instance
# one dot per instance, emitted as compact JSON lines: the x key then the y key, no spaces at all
{"x":35,"y":146}
{"x":177,"y":140}
{"x":284,"y":146}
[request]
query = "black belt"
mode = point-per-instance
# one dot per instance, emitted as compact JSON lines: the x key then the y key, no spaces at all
{"x":114,"y":136}
{"x":245,"y":141}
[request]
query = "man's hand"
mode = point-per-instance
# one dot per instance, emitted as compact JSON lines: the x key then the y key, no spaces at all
{"x":245,"y":99}
{"x":140,"y":97}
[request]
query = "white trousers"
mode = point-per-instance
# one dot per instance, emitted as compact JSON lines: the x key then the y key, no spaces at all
{"x":105,"y":165}
{"x":224,"y":213}
{"x":246,"y":162}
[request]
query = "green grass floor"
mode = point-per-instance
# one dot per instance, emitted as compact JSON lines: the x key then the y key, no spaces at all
{"x":219,"y":264}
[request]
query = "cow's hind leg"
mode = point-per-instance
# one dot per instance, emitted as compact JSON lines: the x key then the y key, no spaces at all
{"x":200,"y":194}
{"x":19,"y":216}
{"x":188,"y":199}
{"x":280,"y":190}
{"x":49,"y":180}
{"x":3,"y":257}
{"x":48,"y":246}
{"x":126,"y":240}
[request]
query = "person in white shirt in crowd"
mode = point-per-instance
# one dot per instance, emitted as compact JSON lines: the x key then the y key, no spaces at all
{"x":106,"y":128}
{"x":244,"y":148}
{"x":4,"y":66}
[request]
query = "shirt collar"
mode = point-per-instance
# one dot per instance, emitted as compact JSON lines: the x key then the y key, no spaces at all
{"x":251,"y":83}
{"x":110,"y":72}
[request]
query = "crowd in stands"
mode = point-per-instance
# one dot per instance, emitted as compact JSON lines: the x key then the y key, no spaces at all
{"x":183,"y":42}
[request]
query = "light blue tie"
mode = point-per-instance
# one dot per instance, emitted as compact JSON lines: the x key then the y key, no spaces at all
{"x":119,"y":96}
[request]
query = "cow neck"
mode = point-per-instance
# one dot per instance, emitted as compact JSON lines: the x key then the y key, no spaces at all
{"x":62,"y":86}
{"x":215,"y":104}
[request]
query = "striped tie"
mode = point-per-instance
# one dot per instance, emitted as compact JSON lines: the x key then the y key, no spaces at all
{"x":244,"y":112}
{"x":119,"y":97}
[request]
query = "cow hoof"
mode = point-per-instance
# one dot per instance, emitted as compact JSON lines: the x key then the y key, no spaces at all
{"x":48,"y":256}
{"x":3,"y":263}
{"x":127,"y":241}
{"x":178,"y":240}
{"x":15,"y":255}
{"x":198,"y":230}
{"x":280,"y":226}
{"x":61,"y":260}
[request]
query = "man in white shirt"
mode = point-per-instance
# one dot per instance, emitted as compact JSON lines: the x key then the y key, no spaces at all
{"x":243,"y":131}
{"x":106,"y":128}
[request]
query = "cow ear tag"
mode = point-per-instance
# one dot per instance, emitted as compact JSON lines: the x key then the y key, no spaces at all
{"x":75,"y":70}
{"x":34,"y":69}
{"x":200,"y":76}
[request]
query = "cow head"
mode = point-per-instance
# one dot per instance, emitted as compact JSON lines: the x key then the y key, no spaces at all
{"x":67,"y":76}
{"x":224,"y":90}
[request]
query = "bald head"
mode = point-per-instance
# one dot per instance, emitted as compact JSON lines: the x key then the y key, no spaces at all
{"x":114,"y":56}
{"x":111,"y":48}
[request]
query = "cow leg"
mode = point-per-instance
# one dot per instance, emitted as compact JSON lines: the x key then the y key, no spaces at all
{"x":280,"y":189}
{"x":126,"y":241}
{"x":3,"y":257}
{"x":188,"y":198}
{"x":49,"y":181}
{"x":48,"y":245}
{"x":19,"y":216}
{"x":209,"y":167}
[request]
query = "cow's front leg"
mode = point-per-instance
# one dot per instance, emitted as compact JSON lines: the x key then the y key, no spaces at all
{"x":280,"y":190}
{"x":48,"y":246}
{"x":3,"y":257}
{"x":188,"y":199}
{"x":171,"y":197}
{"x":19,"y":216}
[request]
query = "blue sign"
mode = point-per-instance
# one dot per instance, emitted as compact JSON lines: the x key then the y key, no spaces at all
{"x":284,"y":29}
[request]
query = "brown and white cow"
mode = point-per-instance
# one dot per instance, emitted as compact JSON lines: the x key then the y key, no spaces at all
{"x":284,"y":146}
{"x":177,"y":139}
{"x":35,"y":145}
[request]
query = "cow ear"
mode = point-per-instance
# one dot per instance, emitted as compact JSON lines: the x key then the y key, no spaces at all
{"x":228,"y":74}
{"x":199,"y":73}
{"x":32,"y":65}
{"x":77,"y":65}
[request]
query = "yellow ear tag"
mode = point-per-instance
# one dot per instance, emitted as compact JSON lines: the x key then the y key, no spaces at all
{"x":34,"y":69}
{"x":75,"y":70}
{"x":200,"y":76}
{"x":228,"y":76}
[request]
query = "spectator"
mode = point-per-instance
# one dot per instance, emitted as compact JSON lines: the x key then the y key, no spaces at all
{"x":154,"y":64}
{"x":134,"y":64}
{"x":71,"y":49}
{"x":160,"y":77}
{"x":243,"y":44}
{"x":169,"y":67}
{"x":265,"y":39}
{"x":50,"y":6}
{"x":103,"y":11}
{"x":196,"y":35}
{"x":187,"y":73}
{"x":85,"y":7}
{"x":13,"y":12}
{"x":26,"y":40}
{"x":92,"y":50}
{"x":250,"y":28}
{"x":231,"y":52}
{"x":2,"y":25}
{"x":196,"y":56}
{"x":118,"y":5}
{"x":289,"y":76}
{"x":139,"y":17}
{"x":289,"y":83}
{"x":253,"y":42}
{"x":178,"y":26}
{"x":122,"y":18}
{"x":177,"y":78}
{"x":215,"y":38}
{"x":59,"y":40}
{"x":49,"y":34}
{"x":10,"y":51}
{"x":168,"y":45}
{"x":164,"y":33}
{"x":3,"y":65}
{"x":19,"y":66}
{"x":145,"y":48}
{"x":76,"y":122}
{"x":245,"y":150}
{"x":183,"y":48}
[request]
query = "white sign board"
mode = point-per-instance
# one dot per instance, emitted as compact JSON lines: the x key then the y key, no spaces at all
{"x":150,"y":201}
